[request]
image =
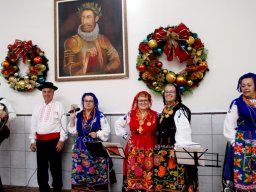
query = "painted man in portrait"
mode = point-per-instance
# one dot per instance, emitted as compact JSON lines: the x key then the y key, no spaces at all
{"x":89,"y":52}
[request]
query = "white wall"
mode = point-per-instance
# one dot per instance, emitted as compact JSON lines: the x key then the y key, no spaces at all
{"x":227,"y":29}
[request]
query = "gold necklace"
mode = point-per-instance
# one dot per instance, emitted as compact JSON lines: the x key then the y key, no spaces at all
{"x":141,"y":118}
{"x":249,"y":102}
{"x":168,"y":111}
{"x":88,"y":127}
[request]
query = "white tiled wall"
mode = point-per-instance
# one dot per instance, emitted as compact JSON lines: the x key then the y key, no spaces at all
{"x":18,"y":163}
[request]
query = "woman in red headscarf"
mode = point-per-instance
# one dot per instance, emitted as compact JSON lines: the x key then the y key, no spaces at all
{"x":138,"y":165}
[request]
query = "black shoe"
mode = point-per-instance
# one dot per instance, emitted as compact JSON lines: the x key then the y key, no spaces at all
{"x":56,"y":190}
{"x":45,"y":190}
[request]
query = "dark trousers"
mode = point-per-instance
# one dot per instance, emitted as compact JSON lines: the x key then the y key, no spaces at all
{"x":48,"y":155}
{"x":4,"y":133}
{"x":1,"y":185}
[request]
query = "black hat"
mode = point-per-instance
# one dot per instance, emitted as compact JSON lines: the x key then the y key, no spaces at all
{"x":47,"y":85}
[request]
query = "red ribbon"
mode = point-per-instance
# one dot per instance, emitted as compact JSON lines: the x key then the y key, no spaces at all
{"x":172,"y":47}
{"x":20,"y":48}
{"x":160,"y":34}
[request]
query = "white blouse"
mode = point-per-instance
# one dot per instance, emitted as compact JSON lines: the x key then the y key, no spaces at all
{"x":183,"y":129}
{"x":230,"y":123}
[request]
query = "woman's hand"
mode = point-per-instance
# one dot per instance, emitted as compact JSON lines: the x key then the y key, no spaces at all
{"x":72,"y":119}
{"x":73,"y":115}
{"x":3,"y":114}
{"x":93,"y":135}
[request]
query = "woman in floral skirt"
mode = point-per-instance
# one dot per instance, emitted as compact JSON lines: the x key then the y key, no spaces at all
{"x":173,"y":128}
{"x":138,"y":127}
{"x":239,"y":173}
{"x":89,"y":173}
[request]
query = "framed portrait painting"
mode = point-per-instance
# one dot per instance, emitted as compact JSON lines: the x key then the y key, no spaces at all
{"x":90,"y":40}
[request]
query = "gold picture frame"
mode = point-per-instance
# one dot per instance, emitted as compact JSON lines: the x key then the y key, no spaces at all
{"x":84,"y":51}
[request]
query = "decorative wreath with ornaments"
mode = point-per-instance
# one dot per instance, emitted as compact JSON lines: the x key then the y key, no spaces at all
{"x":36,"y":62}
{"x":175,"y":42}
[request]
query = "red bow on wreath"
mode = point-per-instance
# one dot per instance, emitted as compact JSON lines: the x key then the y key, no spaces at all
{"x":20,"y":48}
{"x":172,"y":47}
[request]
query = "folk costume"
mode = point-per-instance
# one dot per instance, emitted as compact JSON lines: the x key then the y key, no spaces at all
{"x":173,"y":127}
{"x":90,"y":173}
{"x":138,"y":165}
{"x":239,"y":171}
{"x":48,"y":127}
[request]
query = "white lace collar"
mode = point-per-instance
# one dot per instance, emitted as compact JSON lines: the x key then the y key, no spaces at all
{"x":89,"y":36}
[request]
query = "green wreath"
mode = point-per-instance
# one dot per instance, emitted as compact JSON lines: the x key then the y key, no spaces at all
{"x":35,"y":60}
{"x":175,"y":42}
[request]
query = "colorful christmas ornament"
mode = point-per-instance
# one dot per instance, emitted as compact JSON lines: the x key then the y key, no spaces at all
{"x":5,"y":64}
{"x":152,"y":43}
{"x":37,"y":60}
{"x":155,"y":84}
{"x":141,"y":67}
{"x":189,"y":83}
{"x":180,"y":80}
{"x":159,"y":64}
{"x":170,"y":77}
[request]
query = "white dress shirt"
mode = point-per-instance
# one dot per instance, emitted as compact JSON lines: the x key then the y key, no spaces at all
{"x":48,"y":118}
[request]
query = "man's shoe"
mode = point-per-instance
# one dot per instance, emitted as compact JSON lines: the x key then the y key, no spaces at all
{"x":56,"y":190}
